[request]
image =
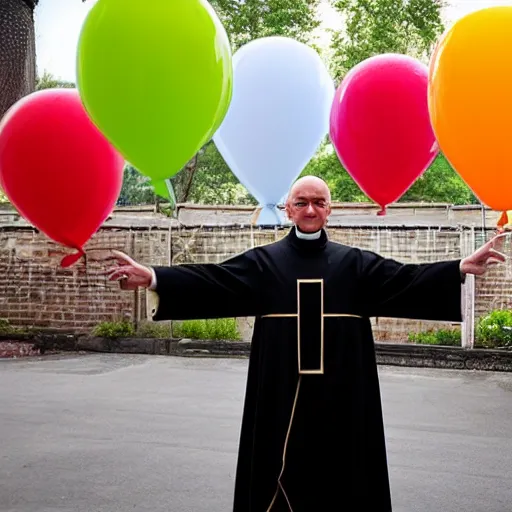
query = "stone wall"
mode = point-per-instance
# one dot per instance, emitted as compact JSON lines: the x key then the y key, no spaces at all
{"x":36,"y":291}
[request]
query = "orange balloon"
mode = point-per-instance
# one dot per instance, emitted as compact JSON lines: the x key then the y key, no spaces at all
{"x":470,"y":102}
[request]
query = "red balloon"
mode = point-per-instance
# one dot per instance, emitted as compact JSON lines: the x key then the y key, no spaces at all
{"x":57,"y":168}
{"x":380,"y":125}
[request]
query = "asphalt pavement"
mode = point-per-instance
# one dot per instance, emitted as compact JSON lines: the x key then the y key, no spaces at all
{"x":115,"y":433}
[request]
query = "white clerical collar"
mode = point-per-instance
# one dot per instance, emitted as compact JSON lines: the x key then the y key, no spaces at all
{"x":308,"y":236}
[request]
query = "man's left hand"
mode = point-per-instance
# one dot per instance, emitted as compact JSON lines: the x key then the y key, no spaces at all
{"x":489,"y":254}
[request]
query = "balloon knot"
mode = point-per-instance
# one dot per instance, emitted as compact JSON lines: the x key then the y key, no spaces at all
{"x":503,"y":221}
{"x":382,"y":211}
{"x":71,"y":259}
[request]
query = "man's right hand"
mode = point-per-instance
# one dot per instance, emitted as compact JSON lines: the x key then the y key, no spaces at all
{"x":130,"y":274}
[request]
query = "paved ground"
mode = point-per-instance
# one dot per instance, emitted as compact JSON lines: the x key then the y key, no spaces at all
{"x":114,"y":433}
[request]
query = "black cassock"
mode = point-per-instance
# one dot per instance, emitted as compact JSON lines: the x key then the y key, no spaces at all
{"x":312,"y":435}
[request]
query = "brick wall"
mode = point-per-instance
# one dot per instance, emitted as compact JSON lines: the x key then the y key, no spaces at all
{"x":35,"y":291}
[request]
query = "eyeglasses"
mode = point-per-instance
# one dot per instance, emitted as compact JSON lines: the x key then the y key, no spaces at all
{"x":317,"y":203}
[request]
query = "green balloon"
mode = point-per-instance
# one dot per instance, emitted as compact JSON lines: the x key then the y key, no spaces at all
{"x":155,"y":76}
{"x":160,"y":189}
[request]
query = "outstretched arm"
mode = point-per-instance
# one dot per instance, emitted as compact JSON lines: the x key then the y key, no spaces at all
{"x":416,"y":291}
{"x":193,"y":291}
{"x":429,"y":291}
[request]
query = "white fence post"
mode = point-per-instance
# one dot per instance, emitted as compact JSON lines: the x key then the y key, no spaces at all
{"x":468,"y":297}
{"x":468,"y":313}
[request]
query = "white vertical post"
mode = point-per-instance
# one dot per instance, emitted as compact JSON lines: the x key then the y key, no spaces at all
{"x":468,"y":299}
{"x":468,"y":313}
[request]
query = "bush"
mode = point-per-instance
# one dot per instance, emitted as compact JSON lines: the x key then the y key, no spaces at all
{"x":6,"y":327}
{"x":217,"y":329}
{"x":445,"y":337}
{"x":154,"y":330}
{"x":492,"y":332}
{"x":114,"y":330}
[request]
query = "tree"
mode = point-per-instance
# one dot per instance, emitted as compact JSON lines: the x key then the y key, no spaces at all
{"x":440,"y":184}
{"x":214,"y":183}
{"x":48,"y":81}
{"x":244,"y":21}
{"x":136,"y":188}
{"x":374,"y":27}
{"x":17,"y":51}
{"x":251,"y":19}
{"x":326,"y":165}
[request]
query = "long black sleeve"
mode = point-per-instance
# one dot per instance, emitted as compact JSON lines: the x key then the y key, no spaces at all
{"x":427,"y":291}
{"x":200,"y":291}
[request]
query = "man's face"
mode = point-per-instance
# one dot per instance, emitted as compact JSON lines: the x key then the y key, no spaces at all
{"x":309,"y":206}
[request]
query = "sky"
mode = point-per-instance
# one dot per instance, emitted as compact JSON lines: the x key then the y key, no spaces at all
{"x":58,"y":24}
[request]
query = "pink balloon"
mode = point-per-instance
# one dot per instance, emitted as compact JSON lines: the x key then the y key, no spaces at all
{"x":380,"y":125}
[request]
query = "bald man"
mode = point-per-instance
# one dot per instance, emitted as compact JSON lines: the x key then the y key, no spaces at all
{"x":312,"y":437}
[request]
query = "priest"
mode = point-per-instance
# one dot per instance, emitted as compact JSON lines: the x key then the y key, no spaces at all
{"x":312,"y":436}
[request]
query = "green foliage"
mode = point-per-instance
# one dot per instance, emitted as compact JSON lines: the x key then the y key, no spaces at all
{"x":207,"y":179}
{"x":444,"y":337}
{"x":214,"y":182}
{"x":216,"y":329}
{"x":6,"y":327}
{"x":48,"y":81}
{"x":326,"y":165}
{"x":440,"y":184}
{"x":491,"y":330}
{"x":251,"y":19}
{"x":154,"y":330}
{"x":136,"y":188}
{"x":374,"y":27}
{"x":114,"y":330}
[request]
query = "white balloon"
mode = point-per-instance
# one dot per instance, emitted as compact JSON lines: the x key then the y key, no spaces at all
{"x":277,"y":119}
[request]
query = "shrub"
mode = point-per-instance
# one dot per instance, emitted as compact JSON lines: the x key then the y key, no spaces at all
{"x":154,"y":330}
{"x":6,"y":327}
{"x":114,"y":330}
{"x":445,"y":337}
{"x":492,"y":332}
{"x":217,"y":329}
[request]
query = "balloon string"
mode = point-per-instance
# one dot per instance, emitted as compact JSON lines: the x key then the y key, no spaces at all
{"x":382,"y":211}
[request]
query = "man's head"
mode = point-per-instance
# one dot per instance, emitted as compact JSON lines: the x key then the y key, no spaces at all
{"x":309,"y":204}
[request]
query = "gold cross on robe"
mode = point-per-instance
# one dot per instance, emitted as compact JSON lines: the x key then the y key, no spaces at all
{"x":310,"y":325}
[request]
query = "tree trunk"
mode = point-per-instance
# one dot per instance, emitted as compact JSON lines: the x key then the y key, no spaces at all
{"x":182,"y":182}
{"x":17,"y":51}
